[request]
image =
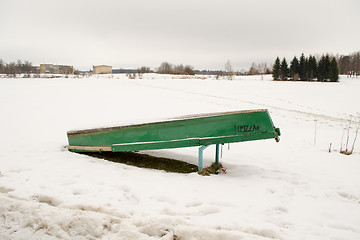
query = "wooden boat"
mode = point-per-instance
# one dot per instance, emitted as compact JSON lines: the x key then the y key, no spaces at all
{"x":186,"y":131}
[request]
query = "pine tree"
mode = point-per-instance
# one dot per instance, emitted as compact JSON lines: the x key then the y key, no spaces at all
{"x":294,"y":69}
{"x":323,"y":71}
{"x":307,"y":77}
{"x":334,"y":71}
{"x":302,"y":67}
{"x":284,"y":70}
{"x":276,"y":69}
{"x":312,"y":68}
{"x":327,"y":67}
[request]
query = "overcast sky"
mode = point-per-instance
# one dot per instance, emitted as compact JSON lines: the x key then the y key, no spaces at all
{"x":202,"y":33}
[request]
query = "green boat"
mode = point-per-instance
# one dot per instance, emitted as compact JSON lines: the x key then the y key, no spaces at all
{"x":187,"y":131}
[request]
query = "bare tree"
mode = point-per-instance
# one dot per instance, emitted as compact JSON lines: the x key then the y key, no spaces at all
{"x":142,"y":70}
{"x":253,"y":70}
{"x":349,"y":64}
{"x":10,"y":69}
{"x":26,"y":67}
{"x":189,"y":70}
{"x":229,"y":70}
{"x":262,"y":69}
{"x":165,"y":68}
{"x":2,"y":66}
{"x":178,"y":69}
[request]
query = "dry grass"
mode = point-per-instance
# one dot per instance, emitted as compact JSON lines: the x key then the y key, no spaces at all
{"x":146,"y":161}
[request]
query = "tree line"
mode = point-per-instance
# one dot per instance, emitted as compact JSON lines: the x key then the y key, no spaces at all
{"x":12,"y":68}
{"x":306,"y":69}
{"x":168,"y":68}
{"x":349,"y":64}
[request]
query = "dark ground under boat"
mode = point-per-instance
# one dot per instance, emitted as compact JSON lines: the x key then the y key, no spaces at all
{"x":145,"y":161}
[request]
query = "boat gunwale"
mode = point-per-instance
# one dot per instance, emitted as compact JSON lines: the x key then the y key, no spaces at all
{"x":185,"y":117}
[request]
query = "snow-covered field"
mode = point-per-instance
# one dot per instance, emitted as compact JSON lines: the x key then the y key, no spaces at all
{"x":294,"y":189}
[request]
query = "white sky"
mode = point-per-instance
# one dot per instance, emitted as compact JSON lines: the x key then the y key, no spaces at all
{"x":202,"y":33}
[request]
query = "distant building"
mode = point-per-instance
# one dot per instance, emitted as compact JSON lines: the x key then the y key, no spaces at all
{"x":56,"y":69}
{"x":102,"y":69}
{"x":35,"y":69}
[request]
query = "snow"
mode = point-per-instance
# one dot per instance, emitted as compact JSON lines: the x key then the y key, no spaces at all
{"x":294,"y":189}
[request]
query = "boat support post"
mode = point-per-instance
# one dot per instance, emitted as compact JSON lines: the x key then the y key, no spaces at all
{"x":201,"y":149}
{"x":217,"y":153}
{"x":201,"y":155}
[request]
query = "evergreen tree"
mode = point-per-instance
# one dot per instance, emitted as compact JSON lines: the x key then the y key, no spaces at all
{"x":327,"y":67}
{"x":302,"y":67}
{"x":324,"y":68}
{"x":321,"y":69}
{"x":312,"y":68}
{"x":307,"y":65}
{"x":333,"y":71}
{"x":294,"y":69}
{"x":276,"y":69}
{"x":284,"y":70}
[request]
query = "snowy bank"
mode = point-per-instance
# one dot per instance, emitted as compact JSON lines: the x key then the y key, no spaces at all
{"x":294,"y":189}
